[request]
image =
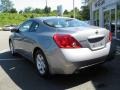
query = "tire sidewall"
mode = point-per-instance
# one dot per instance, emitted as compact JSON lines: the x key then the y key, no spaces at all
{"x":11,"y":43}
{"x":46,"y":74}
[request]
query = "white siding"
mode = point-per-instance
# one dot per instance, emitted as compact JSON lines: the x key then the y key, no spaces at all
{"x":109,"y":4}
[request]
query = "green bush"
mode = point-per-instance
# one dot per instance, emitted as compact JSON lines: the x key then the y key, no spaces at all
{"x":14,"y":18}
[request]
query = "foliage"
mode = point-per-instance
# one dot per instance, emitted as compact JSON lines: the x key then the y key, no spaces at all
{"x":47,"y":10}
{"x":13,"y":10}
{"x":70,"y":13}
{"x":66,"y":12}
{"x":85,"y":13}
{"x":28,"y":10}
{"x":7,"y":5}
{"x":21,"y":11}
{"x":37,"y":10}
{"x":15,"y":18}
{"x":10,"y":15}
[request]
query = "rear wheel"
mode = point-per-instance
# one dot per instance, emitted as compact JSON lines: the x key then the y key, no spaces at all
{"x":12,"y":50}
{"x":41,"y":64}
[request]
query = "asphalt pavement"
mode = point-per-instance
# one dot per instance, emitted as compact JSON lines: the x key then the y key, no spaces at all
{"x":17,"y":73}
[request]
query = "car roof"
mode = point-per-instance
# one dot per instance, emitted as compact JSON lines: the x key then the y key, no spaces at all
{"x":50,"y":17}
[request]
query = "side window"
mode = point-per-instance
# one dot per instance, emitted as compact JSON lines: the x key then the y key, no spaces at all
{"x":25,"y":26}
{"x":34,"y":27}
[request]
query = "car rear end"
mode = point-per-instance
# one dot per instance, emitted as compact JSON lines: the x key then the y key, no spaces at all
{"x":79,"y":47}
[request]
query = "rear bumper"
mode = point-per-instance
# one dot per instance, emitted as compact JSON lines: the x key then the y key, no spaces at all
{"x":67,"y":61}
{"x":84,"y":64}
{"x":72,"y":67}
{"x":83,"y":54}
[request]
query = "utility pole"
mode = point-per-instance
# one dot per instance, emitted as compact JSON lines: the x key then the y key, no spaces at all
{"x":74,"y":8}
{"x":46,"y":7}
{"x":46,"y":3}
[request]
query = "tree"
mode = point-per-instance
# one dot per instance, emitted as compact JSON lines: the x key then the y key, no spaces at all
{"x":32,"y":16}
{"x":7,"y":5}
{"x":77,"y":13}
{"x":85,"y":13}
{"x":13,"y":10}
{"x":1,"y":7}
{"x":66,"y":12}
{"x":76,"y":10}
{"x":37,"y":10}
{"x":53,"y":13}
{"x":28,"y":10}
{"x":47,"y":10}
{"x":20,"y":12}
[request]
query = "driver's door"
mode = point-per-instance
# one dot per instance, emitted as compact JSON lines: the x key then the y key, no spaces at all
{"x":20,"y":36}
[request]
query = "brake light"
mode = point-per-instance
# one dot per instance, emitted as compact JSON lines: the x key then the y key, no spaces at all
{"x":110,"y":36}
{"x":66,"y":41}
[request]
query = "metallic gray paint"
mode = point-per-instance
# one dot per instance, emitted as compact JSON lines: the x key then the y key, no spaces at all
{"x":61,"y":61}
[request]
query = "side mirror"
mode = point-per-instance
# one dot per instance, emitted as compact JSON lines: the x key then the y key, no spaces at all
{"x":15,"y":30}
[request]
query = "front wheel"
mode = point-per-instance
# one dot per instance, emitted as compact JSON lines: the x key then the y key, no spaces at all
{"x":41,"y":64}
{"x":12,"y":50}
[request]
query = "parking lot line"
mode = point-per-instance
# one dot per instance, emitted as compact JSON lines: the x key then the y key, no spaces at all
{"x":86,"y":86}
{"x":6,"y":82}
{"x":5,"y":50}
{"x":8,"y":59}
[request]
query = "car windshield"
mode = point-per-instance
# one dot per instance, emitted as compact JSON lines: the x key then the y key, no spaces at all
{"x":64,"y":23}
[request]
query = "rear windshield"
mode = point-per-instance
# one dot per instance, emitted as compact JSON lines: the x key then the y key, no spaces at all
{"x":63,"y":23}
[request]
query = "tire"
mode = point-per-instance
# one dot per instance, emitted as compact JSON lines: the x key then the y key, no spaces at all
{"x":12,"y":49}
{"x":41,"y":64}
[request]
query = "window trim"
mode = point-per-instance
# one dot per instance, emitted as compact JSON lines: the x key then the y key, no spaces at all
{"x":25,"y":23}
{"x":31,"y":30}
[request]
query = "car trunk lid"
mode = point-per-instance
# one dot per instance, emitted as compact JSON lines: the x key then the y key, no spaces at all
{"x":92,"y":38}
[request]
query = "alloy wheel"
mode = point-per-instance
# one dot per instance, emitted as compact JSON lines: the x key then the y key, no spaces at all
{"x":40,"y":64}
{"x":11,"y":48}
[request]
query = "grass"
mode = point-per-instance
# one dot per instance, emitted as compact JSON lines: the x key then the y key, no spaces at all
{"x":14,"y":18}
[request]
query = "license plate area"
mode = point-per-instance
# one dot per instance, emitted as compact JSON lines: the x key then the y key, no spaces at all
{"x":97,"y":45}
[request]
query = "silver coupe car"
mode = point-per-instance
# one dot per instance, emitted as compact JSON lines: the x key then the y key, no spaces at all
{"x":60,"y":45}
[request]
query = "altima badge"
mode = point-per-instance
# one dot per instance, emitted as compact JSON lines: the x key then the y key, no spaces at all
{"x":96,"y":32}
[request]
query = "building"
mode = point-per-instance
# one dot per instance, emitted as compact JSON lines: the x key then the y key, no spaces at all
{"x":106,"y":13}
{"x":1,"y":6}
{"x":60,"y":10}
{"x":85,"y":2}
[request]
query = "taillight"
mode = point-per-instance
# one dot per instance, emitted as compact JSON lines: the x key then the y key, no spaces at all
{"x":66,"y":41}
{"x":110,"y":36}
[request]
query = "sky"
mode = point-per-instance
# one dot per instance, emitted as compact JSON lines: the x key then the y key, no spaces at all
{"x":67,"y":4}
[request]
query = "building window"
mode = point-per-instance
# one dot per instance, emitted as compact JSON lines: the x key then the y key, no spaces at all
{"x":96,"y":17}
{"x":118,"y":21}
{"x":107,"y":19}
{"x":113,"y":20}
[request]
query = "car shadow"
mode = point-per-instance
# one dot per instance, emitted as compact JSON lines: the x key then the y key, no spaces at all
{"x":8,"y":55}
{"x":24,"y":74}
